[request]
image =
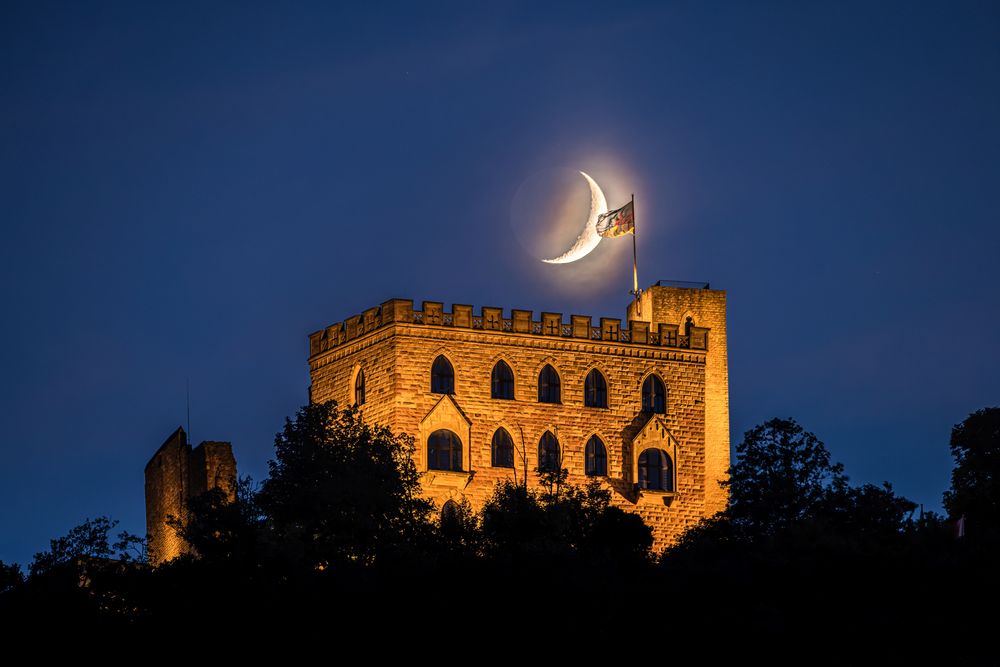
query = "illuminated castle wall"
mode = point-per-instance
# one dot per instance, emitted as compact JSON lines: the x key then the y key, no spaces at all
{"x":677,"y":334}
{"x":175,"y":474}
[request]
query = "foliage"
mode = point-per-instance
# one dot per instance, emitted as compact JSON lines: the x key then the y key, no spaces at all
{"x":563,"y":520}
{"x":220,"y":530}
{"x":89,"y":540}
{"x":459,"y":526}
{"x":341,"y":490}
{"x":11,"y":577}
{"x":975,"y":479}
{"x":783,"y":479}
{"x":781,"y":476}
{"x":787,"y":499}
{"x":553,"y":480}
{"x":339,"y":524}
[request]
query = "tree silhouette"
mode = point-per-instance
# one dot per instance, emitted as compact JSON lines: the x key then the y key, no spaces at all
{"x":341,"y":490}
{"x":11,"y":577}
{"x":563,"y":521}
{"x":786,"y":494}
{"x":89,"y":540}
{"x":781,"y":476}
{"x":975,"y":480}
{"x":220,"y":529}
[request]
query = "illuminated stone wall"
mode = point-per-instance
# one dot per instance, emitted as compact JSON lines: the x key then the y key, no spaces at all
{"x":707,"y":309}
{"x":175,"y":474}
{"x":396,"y":345}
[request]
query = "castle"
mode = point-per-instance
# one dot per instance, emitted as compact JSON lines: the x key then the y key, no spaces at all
{"x":643,"y":409}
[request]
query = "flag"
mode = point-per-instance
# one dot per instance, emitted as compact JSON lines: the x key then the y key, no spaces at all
{"x":960,"y":527}
{"x":618,"y":222}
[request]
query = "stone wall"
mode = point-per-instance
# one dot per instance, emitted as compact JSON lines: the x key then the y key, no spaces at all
{"x":395,"y":346}
{"x":666,"y":305}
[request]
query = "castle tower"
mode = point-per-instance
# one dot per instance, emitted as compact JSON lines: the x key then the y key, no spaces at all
{"x":694,"y":311}
{"x":175,"y":474}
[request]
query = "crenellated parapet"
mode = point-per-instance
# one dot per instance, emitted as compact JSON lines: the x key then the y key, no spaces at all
{"x":461,"y":316}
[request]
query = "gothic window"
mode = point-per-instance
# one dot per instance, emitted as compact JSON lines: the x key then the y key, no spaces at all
{"x":548,"y":385}
{"x":444,"y":451}
{"x":654,"y":395}
{"x":359,"y":388}
{"x":442,"y":376}
{"x":503,"y":449}
{"x":655,"y":471}
{"x":595,"y":390}
{"x":502,"y":381}
{"x":452,"y":519}
{"x":548,"y":453}
{"x":597,"y":457}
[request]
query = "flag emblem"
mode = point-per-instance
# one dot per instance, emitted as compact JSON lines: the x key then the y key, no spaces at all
{"x":618,"y":222}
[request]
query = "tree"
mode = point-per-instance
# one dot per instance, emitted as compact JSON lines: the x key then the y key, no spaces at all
{"x":221,"y":529}
{"x":562,"y":521}
{"x":975,"y":480}
{"x":11,"y":577}
{"x":784,"y":485}
{"x":89,"y":540}
{"x":781,"y":476}
{"x":341,"y":490}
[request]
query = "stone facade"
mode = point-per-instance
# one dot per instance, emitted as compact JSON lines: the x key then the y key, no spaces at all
{"x":174,"y":475}
{"x":675,"y":333}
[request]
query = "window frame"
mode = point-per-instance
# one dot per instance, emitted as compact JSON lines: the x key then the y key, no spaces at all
{"x":359,"y":388}
{"x":654,"y":381}
{"x":600,"y":390}
{"x":544,"y":397}
{"x":594,"y":442}
{"x":667,"y":483}
{"x":543,"y":454}
{"x":437,"y":377}
{"x":493,"y":448}
{"x":494,"y":383}
{"x":455,"y":452}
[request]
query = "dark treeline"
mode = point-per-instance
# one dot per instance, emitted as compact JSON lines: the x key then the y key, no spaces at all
{"x":338,"y":538}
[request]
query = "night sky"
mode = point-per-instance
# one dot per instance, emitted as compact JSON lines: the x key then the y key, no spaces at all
{"x":187,"y":191}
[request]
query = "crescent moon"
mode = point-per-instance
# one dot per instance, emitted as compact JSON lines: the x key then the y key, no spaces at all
{"x":589,"y":238}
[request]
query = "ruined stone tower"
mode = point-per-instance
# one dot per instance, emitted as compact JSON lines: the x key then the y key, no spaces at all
{"x":174,"y":475}
{"x":642,"y":409}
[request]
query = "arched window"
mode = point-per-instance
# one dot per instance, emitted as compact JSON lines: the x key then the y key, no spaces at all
{"x":359,"y":388}
{"x":656,"y":471}
{"x":442,"y":376}
{"x":449,"y":511}
{"x":548,"y":453}
{"x":502,"y":381}
{"x":597,"y":457}
{"x":503,"y":449}
{"x":548,"y":385}
{"x":595,"y":390}
{"x":444,"y":451}
{"x":452,"y":519}
{"x":654,"y":396}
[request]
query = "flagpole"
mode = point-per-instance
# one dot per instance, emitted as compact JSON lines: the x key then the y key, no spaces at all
{"x":635,"y":264}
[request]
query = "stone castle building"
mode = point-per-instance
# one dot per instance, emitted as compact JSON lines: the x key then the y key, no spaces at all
{"x":643,"y":409}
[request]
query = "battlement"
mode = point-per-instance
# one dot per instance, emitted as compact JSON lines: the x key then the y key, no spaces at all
{"x":520,"y":322}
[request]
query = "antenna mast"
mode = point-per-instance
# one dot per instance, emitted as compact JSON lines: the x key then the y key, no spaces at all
{"x":187,"y":391}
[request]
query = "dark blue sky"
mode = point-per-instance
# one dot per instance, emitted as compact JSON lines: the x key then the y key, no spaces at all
{"x":187,"y":191}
